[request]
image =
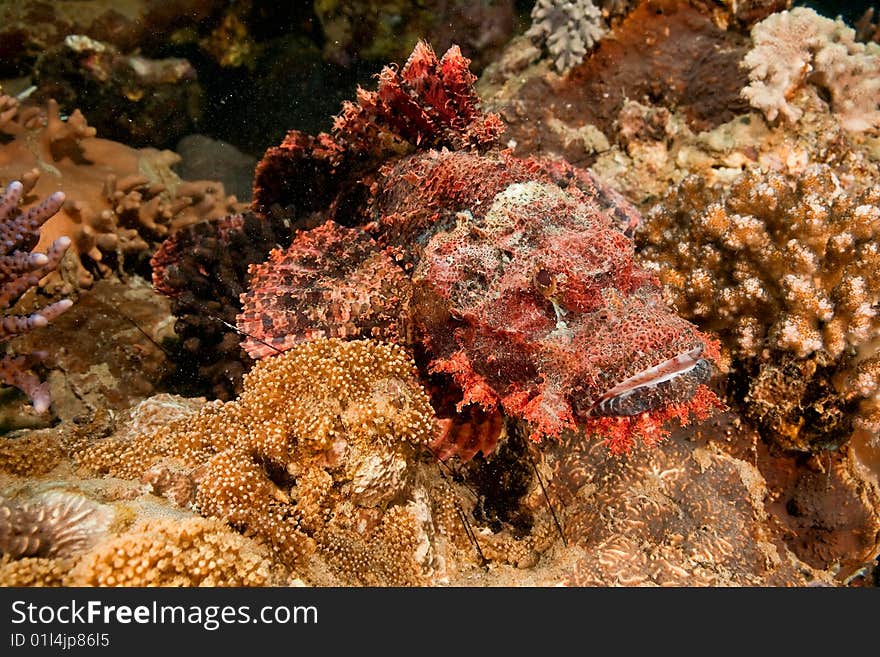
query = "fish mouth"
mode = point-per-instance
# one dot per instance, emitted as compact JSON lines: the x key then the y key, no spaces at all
{"x":674,"y":380}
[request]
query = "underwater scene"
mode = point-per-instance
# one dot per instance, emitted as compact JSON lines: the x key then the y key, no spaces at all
{"x":520,"y":293}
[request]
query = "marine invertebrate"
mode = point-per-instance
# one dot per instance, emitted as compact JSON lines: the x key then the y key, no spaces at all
{"x":175,"y":552}
{"x":798,"y":47}
{"x":133,"y":99}
{"x":664,"y":53}
{"x":785,"y":270}
{"x":20,"y":270}
{"x":687,"y":515}
{"x":569,"y":29}
{"x":119,"y":199}
{"x":316,"y":454}
{"x":51,"y":524}
{"x":203,"y":269}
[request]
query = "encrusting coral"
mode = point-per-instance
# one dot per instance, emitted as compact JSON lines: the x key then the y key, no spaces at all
{"x":316,"y":453}
{"x":786,"y":271}
{"x":20,"y":270}
{"x":798,"y":47}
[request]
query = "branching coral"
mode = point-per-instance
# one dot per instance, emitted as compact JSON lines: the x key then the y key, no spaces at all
{"x":569,"y":29}
{"x":785,"y":269}
{"x":316,"y":453}
{"x":20,"y":270}
{"x":119,"y":199}
{"x":797,"y":47}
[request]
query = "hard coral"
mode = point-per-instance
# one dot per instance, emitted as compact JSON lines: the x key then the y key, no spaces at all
{"x":20,"y":270}
{"x":785,"y":269}
{"x":134,"y":99}
{"x":316,"y":453}
{"x":52,"y":524}
{"x":568,"y":28}
{"x":798,"y":47}
{"x":173,"y":552}
{"x":119,"y":199}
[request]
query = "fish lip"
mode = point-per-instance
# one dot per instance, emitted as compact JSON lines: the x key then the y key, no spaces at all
{"x":666,"y":370}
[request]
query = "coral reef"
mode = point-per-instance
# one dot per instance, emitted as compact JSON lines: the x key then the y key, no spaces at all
{"x":784,"y":269}
{"x":163,"y":552}
{"x":203,"y":269}
{"x":30,"y":27}
{"x":547,"y":321}
{"x":119,"y":199}
{"x":171,"y":552}
{"x":110,"y":350}
{"x":53,"y":524}
{"x":666,"y":53}
{"x":687,"y":515}
{"x":798,"y":47}
{"x":20,"y":270}
{"x":452,"y":354}
{"x":315,"y":454}
{"x":568,"y":29}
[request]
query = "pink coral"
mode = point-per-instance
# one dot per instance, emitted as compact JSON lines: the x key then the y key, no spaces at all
{"x":797,"y":47}
{"x":21,"y":270}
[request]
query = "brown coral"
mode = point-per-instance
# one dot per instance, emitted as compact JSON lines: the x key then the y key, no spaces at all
{"x":319,"y":447}
{"x":784,"y":269}
{"x":51,"y":524}
{"x":174,"y":552}
{"x":118,"y":199}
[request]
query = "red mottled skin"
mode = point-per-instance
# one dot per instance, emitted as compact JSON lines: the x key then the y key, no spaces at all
{"x":512,"y":280}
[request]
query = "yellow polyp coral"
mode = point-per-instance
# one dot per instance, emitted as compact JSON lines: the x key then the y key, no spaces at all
{"x":155,"y":552}
{"x":32,"y":571}
{"x":317,"y":453}
{"x":171,"y":552}
{"x":31,"y":455}
{"x":786,"y":270}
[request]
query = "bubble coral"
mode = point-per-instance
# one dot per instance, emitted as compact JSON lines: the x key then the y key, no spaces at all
{"x":785,"y":269}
